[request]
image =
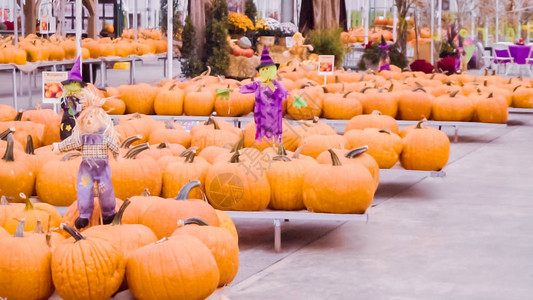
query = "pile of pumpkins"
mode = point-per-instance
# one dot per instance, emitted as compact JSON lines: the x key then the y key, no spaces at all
{"x":157,"y":248}
{"x":56,"y":48}
{"x":357,"y":34}
{"x":163,"y":157}
{"x":401,"y":95}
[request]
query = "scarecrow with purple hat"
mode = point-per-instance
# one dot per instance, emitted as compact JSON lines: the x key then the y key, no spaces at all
{"x":269,"y":96}
{"x":72,"y":88}
{"x":383,"y":54}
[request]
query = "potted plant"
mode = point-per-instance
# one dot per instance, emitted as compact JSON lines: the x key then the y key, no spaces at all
{"x":238,"y":25}
{"x":288,"y":29}
{"x":267,"y":30}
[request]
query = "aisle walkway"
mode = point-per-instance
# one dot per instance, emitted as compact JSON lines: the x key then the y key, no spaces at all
{"x":466,"y":236}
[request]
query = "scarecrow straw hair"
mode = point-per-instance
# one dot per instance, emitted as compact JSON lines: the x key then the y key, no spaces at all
{"x":92,"y":104}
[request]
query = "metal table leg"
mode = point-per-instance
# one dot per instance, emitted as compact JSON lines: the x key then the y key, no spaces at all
{"x":91,"y":73}
{"x":132,"y":71}
{"x":30,"y":92}
{"x":277,"y":235}
{"x":456,"y":136}
{"x":15,"y":102}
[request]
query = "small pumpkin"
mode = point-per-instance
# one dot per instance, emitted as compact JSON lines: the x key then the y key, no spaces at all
{"x":374,"y":120}
{"x":383,"y":145}
{"x":178,"y":174}
{"x":46,"y":213}
{"x":172,"y":133}
{"x":169,"y":101}
{"x":162,"y":216}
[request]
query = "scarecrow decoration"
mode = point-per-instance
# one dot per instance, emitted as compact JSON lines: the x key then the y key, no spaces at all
{"x":94,"y":136}
{"x":383,"y":54}
{"x":70,"y":103}
{"x":269,"y":96}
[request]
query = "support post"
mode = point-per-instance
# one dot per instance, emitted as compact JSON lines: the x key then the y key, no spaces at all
{"x":277,"y":235}
{"x":135,"y":23}
{"x":432,"y":29}
{"x":395,"y":23}
{"x":366,"y":10}
{"x":78,"y":31}
{"x":170,"y":29}
{"x":22,"y":19}
{"x":497,"y":21}
{"x":15,"y":13}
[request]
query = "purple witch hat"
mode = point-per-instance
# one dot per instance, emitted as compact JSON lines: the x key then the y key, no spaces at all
{"x":75,"y":74}
{"x":266,"y":60}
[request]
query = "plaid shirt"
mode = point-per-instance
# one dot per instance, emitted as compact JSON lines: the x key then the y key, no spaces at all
{"x":98,"y":150}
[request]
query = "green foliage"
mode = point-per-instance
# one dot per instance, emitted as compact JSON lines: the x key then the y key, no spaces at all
{"x":397,"y":58}
{"x":371,"y":55}
{"x":250,"y":10}
{"x":216,"y":33}
{"x":188,"y":37}
{"x":192,"y":66}
{"x":191,"y":63}
{"x":176,"y":19}
{"x":328,"y":42}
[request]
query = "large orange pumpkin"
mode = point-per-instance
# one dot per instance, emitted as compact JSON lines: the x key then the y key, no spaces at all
{"x":230,"y":186}
{"x":452,"y":107}
{"x":220,"y":242}
{"x":338,"y":188}
{"x":374,"y":120}
{"x":384,"y":145}
{"x":425,"y":148}
{"x":89,"y":259}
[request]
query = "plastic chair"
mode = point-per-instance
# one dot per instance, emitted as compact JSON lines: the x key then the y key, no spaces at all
{"x":502,"y":56}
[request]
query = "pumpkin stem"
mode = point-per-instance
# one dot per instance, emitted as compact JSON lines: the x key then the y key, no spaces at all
{"x":356,"y":152}
{"x":433,"y":75}
{"x":117,"y":220}
{"x":365,"y":89}
{"x":162,"y":240}
{"x":29,"y":145}
{"x":3,"y":135}
{"x":335,"y":161}
{"x":235,"y":157}
{"x":282,"y":150}
{"x":146,"y":192}
{"x":187,"y":151}
{"x":452,"y":95}
{"x":296,"y":154}
{"x":486,"y":72}
{"x":325,"y":89}
{"x":73,"y":232}
{"x":419,"y":89}
{"x":391,"y":87}
{"x":190,"y":157}
{"x":133,"y":152}
{"x":420,"y":123}
{"x":128,"y":141}
{"x":281,"y":158}
{"x":385,"y":130}
{"x":18,"y":117}
{"x":346,"y":95}
{"x":195,"y":221}
{"x":376,"y":112}
{"x":186,"y":189}
{"x":514,"y":90}
{"x":163,"y":145}
{"x":169,"y":124}
{"x":238,"y":145}
{"x":9,"y":155}
{"x":39,"y":227}
{"x":485,"y":82}
{"x":19,"y":232}
{"x":3,"y":201}
{"x":491,"y":95}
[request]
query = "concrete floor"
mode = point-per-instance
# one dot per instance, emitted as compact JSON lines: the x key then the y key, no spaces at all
{"x":468,"y":235}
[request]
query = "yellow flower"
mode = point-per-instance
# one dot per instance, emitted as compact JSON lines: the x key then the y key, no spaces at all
{"x":240,"y":21}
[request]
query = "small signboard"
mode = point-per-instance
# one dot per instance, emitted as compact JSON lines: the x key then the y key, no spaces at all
{"x":326,"y":64}
{"x":52,"y":87}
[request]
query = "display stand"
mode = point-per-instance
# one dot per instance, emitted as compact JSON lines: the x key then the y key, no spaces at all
{"x":520,"y":110}
{"x":278,"y":216}
{"x":401,"y":172}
